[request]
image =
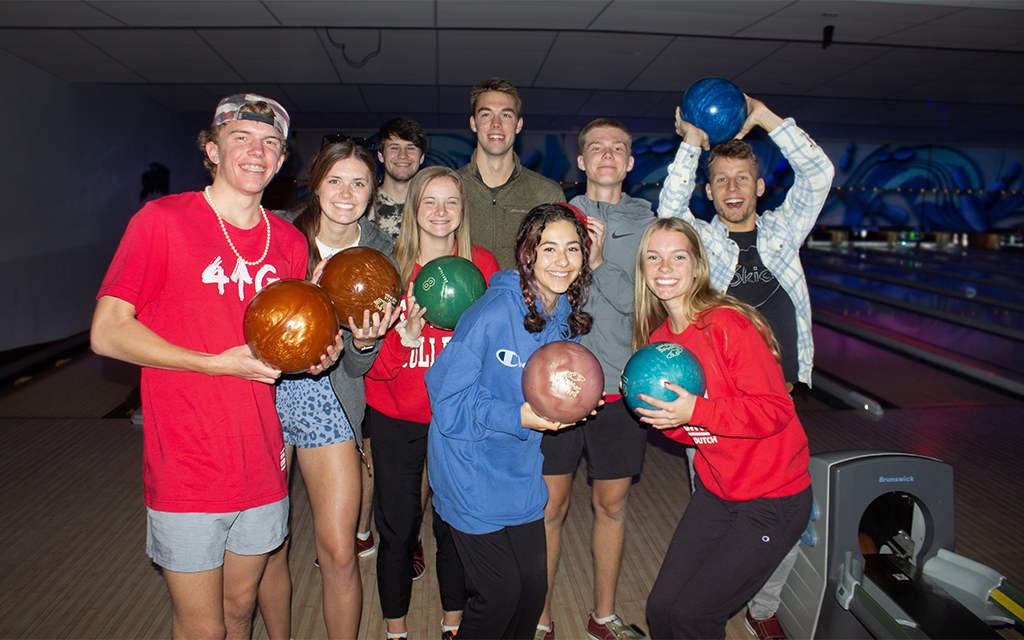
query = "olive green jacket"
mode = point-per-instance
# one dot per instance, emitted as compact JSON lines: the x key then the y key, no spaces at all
{"x":494,"y":220}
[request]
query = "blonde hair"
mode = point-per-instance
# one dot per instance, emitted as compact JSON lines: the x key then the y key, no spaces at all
{"x":649,"y":312}
{"x":407,"y":245}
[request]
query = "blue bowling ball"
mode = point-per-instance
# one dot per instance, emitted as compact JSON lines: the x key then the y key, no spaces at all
{"x":715,"y":106}
{"x":652,"y":366}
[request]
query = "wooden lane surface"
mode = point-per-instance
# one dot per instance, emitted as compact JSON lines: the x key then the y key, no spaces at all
{"x":74,"y":566}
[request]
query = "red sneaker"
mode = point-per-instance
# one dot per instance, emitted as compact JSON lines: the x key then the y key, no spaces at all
{"x":614,"y":629}
{"x":419,"y":567}
{"x":767,"y":629}
{"x":366,"y":547}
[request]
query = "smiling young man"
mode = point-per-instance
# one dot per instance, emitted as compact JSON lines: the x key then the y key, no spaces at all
{"x":756,"y":258}
{"x":614,"y":440}
{"x":172,"y":302}
{"x":499,"y":189}
{"x":401,"y":147}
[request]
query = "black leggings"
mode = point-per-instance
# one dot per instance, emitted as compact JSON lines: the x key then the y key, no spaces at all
{"x":399,"y":451}
{"x":720,"y":555}
{"x":506,"y":574}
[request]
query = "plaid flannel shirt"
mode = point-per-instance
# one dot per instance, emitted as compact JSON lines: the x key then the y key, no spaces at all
{"x":780,"y":233}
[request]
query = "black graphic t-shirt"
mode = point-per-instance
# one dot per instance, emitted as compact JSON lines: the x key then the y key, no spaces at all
{"x":754,"y":284}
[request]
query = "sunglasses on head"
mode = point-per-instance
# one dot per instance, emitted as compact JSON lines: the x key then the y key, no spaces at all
{"x":335,"y":138}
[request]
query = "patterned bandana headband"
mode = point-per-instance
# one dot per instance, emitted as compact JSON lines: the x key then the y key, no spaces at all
{"x":230,"y":109}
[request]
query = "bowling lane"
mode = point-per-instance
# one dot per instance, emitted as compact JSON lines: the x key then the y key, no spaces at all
{"x":999,"y":321}
{"x":952,"y":283}
{"x":1009,"y":267}
{"x":893,"y":379}
{"x":993,"y":261}
{"x":999,"y":351}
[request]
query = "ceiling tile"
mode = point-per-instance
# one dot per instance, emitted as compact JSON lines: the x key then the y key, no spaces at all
{"x":857,"y":10}
{"x":325,"y":97}
{"x":667,"y":21}
{"x":523,"y":14}
{"x":619,"y":104}
{"x":988,"y":18}
{"x":401,"y":99}
{"x":954,"y":37}
{"x":164,"y":55}
{"x":949,"y":91}
{"x":66,"y":55}
{"x":221,"y":90}
{"x":360,"y":13}
{"x":513,"y":55}
{"x":52,"y":13}
{"x":187,"y":13}
{"x":181,"y":97}
{"x":550,"y":101}
{"x":781,"y":27}
{"x":396,"y":56}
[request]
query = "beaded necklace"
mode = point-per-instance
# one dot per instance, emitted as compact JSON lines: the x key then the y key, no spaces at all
{"x":266,"y":220}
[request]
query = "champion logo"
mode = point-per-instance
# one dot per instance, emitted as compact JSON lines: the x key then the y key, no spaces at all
{"x":510,"y":358}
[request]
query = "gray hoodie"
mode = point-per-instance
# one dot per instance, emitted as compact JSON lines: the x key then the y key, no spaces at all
{"x":611,"y":293}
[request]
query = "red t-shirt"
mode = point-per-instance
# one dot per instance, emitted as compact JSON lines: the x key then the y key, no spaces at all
{"x":750,"y":442}
{"x":213,"y":444}
{"x":394,"y":385}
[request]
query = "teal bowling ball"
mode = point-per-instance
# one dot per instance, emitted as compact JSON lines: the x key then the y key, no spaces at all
{"x":652,"y":366}
{"x":717,"y":107}
{"x":446,"y":287}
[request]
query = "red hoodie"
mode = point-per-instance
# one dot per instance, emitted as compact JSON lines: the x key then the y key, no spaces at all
{"x":394,"y":385}
{"x":750,"y":441}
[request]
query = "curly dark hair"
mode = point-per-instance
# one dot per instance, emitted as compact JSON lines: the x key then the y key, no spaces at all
{"x":527,"y":240}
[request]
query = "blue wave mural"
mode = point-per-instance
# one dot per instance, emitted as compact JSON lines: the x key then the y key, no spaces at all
{"x":925,"y":187}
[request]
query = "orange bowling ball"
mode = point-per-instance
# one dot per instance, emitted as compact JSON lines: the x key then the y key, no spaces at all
{"x":289,"y":324}
{"x":360,"y":278}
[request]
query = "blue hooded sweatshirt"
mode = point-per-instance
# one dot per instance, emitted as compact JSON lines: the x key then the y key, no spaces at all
{"x":484,"y":466}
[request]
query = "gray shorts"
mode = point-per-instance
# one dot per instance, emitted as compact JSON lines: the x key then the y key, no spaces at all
{"x":194,"y":542}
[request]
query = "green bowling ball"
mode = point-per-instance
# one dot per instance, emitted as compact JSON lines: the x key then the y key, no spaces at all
{"x":446,"y":287}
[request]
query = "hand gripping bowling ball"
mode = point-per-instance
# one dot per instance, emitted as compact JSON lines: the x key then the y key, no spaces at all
{"x":717,"y":107}
{"x":289,"y":324}
{"x":360,"y":278}
{"x":563,"y":382}
{"x":652,"y":366}
{"x":446,"y":287}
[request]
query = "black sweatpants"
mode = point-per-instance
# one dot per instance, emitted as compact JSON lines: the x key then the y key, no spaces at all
{"x":506,"y":574}
{"x":399,"y":452}
{"x":720,"y":555}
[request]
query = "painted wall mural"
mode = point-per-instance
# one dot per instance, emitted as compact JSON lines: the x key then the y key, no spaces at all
{"x":924,"y":187}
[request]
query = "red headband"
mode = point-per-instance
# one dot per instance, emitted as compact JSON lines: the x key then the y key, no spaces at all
{"x":579,"y":216}
{"x":576,"y":212}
